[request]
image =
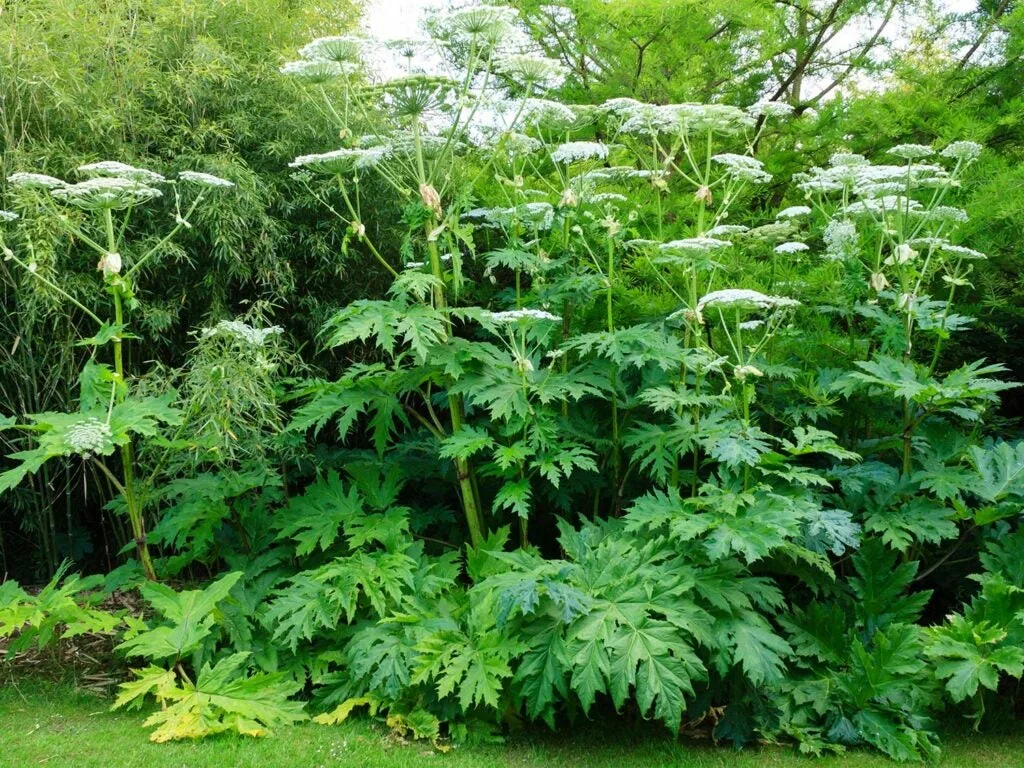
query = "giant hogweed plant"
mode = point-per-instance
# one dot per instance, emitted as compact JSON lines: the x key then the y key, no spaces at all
{"x":96,"y":213}
{"x":512,"y":307}
{"x":581,"y":337}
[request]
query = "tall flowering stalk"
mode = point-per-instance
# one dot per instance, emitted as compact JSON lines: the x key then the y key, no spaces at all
{"x":892,"y":224}
{"x":109,"y":187}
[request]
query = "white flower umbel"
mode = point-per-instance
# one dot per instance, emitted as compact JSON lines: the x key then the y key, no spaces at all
{"x":546,"y":114}
{"x":243,"y":332}
{"x":750,"y":325}
{"x":538,"y":215}
{"x":962,"y":252}
{"x":342,"y":160}
{"x":743,"y":299}
{"x":647,"y":119}
{"x":621,"y":105}
{"x":847,"y":160}
{"x":713,"y":118}
{"x":105,"y":192}
{"x":519,"y":144}
{"x":403,"y":144}
{"x":337,"y":48}
{"x":947,"y":213}
{"x":516,"y":315}
{"x":114,"y":170}
{"x":963,"y":151}
{"x":204,"y":179}
{"x":727,"y":229}
{"x":793,"y":212}
{"x":841,"y":239}
{"x":743,"y":167}
{"x":912,"y":151}
{"x":695,"y":244}
{"x":34,"y":181}
{"x":605,"y":197}
{"x":490,"y":22}
{"x":770,"y":109}
{"x":8,"y":216}
{"x":90,"y":435}
{"x":531,"y":70}
{"x":889,"y":204}
{"x":315,"y":71}
{"x":791,"y":247}
{"x":578,"y":151}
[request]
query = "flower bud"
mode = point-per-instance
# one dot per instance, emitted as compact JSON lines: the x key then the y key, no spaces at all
{"x":430,"y":198}
{"x":878,"y":281}
{"x":110,"y":264}
{"x":703,"y":195}
{"x":742,"y":371}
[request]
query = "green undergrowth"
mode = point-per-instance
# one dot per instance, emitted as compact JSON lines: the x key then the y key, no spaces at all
{"x":44,"y":723}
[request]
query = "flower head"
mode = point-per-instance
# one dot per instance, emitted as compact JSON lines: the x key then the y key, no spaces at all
{"x":791,"y":247}
{"x":578,"y":151}
{"x":490,"y":22}
{"x":743,"y":167}
{"x":241,"y":332}
{"x":106,"y":193}
{"x":546,"y":114}
{"x":911,"y":151}
{"x":204,"y":179}
{"x":962,"y":252}
{"x":695,"y":244}
{"x":342,"y":160}
{"x":336,"y":48}
{"x":89,"y":435}
{"x":8,"y":216}
{"x":115,"y":170}
{"x":417,"y":95}
{"x":793,"y":211}
{"x":516,"y":315}
{"x":841,"y":239}
{"x":34,"y":181}
{"x":743,"y":299}
{"x":770,"y":109}
{"x":964,"y":151}
{"x":530,"y":69}
{"x":315,"y":71}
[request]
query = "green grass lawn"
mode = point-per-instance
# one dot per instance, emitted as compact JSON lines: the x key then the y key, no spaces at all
{"x":50,"y":725}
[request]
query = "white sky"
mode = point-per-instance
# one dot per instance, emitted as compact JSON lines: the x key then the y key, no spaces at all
{"x":391,"y":19}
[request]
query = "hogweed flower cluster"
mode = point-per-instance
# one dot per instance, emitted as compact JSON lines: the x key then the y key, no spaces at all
{"x":342,"y":160}
{"x":118,"y":170}
{"x":204,"y":179}
{"x":243,"y":332}
{"x":89,"y":436}
{"x":106,"y":192}
{"x":516,"y":315}
{"x":578,"y":151}
{"x":34,"y":181}
{"x":743,"y":299}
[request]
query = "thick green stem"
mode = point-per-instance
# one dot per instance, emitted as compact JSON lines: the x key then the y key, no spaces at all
{"x":470,"y":498}
{"x":131,"y":497}
{"x":616,"y":457}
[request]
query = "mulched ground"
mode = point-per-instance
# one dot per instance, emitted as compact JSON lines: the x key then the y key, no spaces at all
{"x":88,"y":660}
